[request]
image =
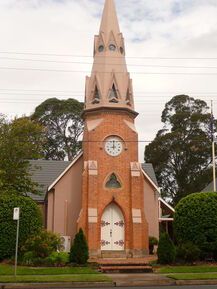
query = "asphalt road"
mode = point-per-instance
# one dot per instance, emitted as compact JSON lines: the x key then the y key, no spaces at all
{"x":167,"y":287}
{"x":174,"y":287}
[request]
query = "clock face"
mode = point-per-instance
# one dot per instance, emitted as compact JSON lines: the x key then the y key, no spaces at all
{"x":113,"y":146}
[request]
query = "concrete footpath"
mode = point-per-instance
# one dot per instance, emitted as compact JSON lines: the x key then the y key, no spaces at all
{"x":138,"y":280}
{"x":119,"y":280}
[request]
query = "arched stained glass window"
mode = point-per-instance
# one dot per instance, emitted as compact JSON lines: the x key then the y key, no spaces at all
{"x":113,"y":182}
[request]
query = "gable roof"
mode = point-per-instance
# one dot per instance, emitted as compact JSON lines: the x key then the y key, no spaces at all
{"x":47,"y":173}
{"x":148,"y":168}
{"x":209,"y":187}
{"x":44,"y":172}
{"x":66,"y":170}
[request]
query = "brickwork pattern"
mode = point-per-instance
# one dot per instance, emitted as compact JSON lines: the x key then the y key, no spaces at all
{"x":96,"y":195}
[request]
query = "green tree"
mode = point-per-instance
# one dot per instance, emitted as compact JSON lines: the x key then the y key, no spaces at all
{"x":30,"y":222}
{"x":20,"y":140}
{"x":79,"y":250}
{"x":166,"y":251}
{"x":64,"y":125}
{"x":181,"y":151}
{"x":195,"y":221}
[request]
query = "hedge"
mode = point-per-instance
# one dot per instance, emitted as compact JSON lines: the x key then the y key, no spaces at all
{"x":195,"y":221}
{"x":30,"y":223}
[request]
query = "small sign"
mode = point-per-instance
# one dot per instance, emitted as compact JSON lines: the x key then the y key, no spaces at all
{"x":16,"y":214}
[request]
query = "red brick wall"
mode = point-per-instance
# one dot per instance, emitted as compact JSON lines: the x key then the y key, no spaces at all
{"x":130,"y":195}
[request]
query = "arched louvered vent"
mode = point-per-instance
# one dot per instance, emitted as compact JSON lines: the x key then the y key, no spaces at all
{"x":128,"y":97}
{"x":113,"y":95}
{"x":96,"y":96}
{"x":113,"y":182}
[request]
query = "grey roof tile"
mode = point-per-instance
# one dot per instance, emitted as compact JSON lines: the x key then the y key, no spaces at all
{"x":45,"y":172}
{"x":148,"y":168}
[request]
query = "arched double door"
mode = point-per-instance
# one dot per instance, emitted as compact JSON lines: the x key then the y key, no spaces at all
{"x":112,"y":229}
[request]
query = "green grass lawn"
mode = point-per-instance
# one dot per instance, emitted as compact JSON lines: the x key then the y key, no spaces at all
{"x":193,"y":276}
{"x":21,"y":270}
{"x":55,"y":278}
{"x":187,"y":269}
{"x":38,"y":274}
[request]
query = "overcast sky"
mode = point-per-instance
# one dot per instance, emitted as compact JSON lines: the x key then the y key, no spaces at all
{"x":40,"y":37}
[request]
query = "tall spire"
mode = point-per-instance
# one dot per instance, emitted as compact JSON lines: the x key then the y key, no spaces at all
{"x":109,"y":85}
{"x":109,"y":19}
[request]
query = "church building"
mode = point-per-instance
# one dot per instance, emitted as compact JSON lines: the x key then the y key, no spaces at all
{"x":105,"y":190}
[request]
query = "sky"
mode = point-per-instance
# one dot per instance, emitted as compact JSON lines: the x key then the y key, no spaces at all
{"x":46,"y":51}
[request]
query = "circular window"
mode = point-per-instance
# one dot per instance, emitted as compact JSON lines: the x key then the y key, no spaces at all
{"x":121,"y":50}
{"x":112,"y":47}
{"x":101,"y":48}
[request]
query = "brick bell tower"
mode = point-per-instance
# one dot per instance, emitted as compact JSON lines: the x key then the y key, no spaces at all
{"x":112,"y":214}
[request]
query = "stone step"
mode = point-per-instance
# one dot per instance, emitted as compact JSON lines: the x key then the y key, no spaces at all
{"x":112,"y":264}
{"x":113,"y":254}
{"x":124,"y":261}
{"x":123,"y":268}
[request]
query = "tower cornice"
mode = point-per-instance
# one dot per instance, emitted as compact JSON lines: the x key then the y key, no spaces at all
{"x":119,"y":110}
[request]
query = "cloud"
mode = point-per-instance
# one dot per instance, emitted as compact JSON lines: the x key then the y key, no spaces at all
{"x":169,"y":28}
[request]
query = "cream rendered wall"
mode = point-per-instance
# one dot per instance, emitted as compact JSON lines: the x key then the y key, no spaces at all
{"x":66,"y":202}
{"x":151,"y":209}
{"x":50,"y":213}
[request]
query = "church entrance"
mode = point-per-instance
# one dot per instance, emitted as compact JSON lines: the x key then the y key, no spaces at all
{"x":112,"y":229}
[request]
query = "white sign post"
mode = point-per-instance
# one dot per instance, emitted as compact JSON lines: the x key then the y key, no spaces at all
{"x":16,"y":217}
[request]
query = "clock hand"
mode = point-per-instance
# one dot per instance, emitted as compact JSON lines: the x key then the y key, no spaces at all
{"x":113,"y":144}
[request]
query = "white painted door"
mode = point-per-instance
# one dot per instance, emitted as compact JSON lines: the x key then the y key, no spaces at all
{"x":112,"y":229}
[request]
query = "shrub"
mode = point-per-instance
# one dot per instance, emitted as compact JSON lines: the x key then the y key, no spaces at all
{"x":195,"y":221}
{"x":30,"y":222}
{"x":152,"y":242}
{"x":166,"y":250}
{"x":187,"y":253}
{"x":79,"y":250}
{"x":42,"y":245}
{"x":57,"y":259}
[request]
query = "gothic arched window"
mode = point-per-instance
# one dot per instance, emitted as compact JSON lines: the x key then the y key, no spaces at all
{"x":113,"y":182}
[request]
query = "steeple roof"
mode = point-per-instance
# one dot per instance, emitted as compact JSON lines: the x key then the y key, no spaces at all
{"x":109,"y":20}
{"x":109,"y":85}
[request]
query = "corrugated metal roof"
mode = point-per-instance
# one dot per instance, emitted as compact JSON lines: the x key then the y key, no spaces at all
{"x":45,"y":172}
{"x":148,"y":168}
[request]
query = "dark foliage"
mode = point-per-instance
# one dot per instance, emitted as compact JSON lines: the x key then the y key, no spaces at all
{"x":152,"y":242}
{"x":20,"y":140}
{"x":30,"y":223}
{"x":79,"y":250}
{"x":64,"y":125}
{"x":187,"y":253}
{"x":195,"y":221}
{"x":166,"y":250}
{"x":180,"y":152}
